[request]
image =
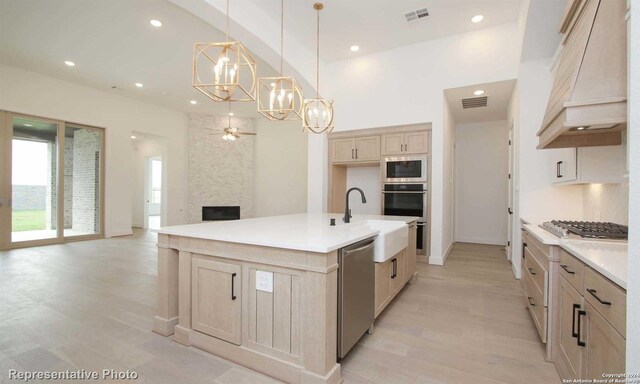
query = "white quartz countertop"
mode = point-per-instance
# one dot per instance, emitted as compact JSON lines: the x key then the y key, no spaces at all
{"x":304,"y":232}
{"x":606,"y":257}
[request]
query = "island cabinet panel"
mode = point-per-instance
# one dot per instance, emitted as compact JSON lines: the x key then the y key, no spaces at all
{"x":605,"y":349}
{"x":411,"y":253}
{"x":274,"y":317}
{"x":216,"y":299}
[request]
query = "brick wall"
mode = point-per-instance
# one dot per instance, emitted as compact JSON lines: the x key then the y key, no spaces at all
{"x":86,"y":181}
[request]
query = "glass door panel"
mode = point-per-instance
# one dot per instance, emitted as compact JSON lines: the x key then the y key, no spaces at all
{"x":82,"y":180}
{"x":34,"y":180}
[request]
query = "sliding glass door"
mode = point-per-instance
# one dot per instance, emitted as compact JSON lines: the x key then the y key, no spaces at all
{"x":51,"y":185}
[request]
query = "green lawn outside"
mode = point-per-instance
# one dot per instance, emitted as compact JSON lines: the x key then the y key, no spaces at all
{"x":28,"y":221}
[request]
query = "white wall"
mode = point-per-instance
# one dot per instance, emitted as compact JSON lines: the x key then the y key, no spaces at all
{"x":143,"y":148}
{"x":280,"y":185}
{"x":633,"y":285}
{"x":30,"y":93}
{"x":405,"y":86}
{"x":481,"y":184}
{"x":536,"y":198}
{"x":448,"y":180}
{"x":367,"y":179}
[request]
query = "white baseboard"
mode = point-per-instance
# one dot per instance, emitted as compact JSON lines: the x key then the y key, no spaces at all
{"x":481,"y":240}
{"x":440,"y":260}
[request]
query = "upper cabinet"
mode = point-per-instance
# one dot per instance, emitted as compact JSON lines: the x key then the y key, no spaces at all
{"x":365,"y":149}
{"x":589,"y":165}
{"x":588,"y":101}
{"x":405,"y":143}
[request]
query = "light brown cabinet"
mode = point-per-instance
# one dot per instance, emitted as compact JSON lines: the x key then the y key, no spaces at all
{"x":411,"y":255}
{"x":569,"y":352}
{"x":390,"y":278}
{"x":216,"y":300}
{"x":405,"y":143}
{"x":604,"y":350}
{"x":365,"y":149}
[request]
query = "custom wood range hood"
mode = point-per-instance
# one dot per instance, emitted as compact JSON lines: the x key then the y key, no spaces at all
{"x":588,"y":102}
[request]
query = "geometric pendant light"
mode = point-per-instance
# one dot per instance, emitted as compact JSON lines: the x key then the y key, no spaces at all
{"x":317,"y":113}
{"x":224,"y":71}
{"x":280,"y":98}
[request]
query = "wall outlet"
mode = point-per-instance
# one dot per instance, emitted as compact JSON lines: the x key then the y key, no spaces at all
{"x":264,"y":281}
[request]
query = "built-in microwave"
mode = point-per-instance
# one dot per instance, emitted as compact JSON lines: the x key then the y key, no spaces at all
{"x":405,"y":169}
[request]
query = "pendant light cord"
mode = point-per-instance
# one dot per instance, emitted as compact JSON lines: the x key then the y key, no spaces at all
{"x":318,"y":56}
{"x":281,"y":36}
{"x":227,"y":20}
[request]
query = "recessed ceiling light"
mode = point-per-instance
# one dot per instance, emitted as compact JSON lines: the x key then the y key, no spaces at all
{"x":69,"y":63}
{"x":477,"y":18}
{"x":156,"y":23}
{"x":139,"y":85}
{"x":230,"y":113}
{"x":581,"y":128}
{"x":133,"y":137}
{"x":478,"y":92}
{"x":354,"y":48}
{"x":28,"y":125}
{"x":193,"y":102}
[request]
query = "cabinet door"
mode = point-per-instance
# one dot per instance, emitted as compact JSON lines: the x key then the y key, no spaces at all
{"x":570,"y":352}
{"x":565,"y":166}
{"x":368,"y":148}
{"x":216,"y":299}
{"x":383,"y":285}
{"x":397,"y":282}
{"x":410,"y":259}
{"x":416,"y":142}
{"x":393,"y":144}
{"x":344,"y":150}
{"x":605,"y":348}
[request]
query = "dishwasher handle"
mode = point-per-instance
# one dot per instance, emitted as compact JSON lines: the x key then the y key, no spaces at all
{"x":347,"y":252}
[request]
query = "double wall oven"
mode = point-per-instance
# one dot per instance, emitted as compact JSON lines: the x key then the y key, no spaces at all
{"x":405,"y":192}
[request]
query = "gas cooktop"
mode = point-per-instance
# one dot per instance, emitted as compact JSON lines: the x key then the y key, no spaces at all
{"x":587,"y":229}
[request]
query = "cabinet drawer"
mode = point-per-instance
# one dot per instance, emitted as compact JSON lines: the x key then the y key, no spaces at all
{"x":607,"y":298}
{"x":571,"y":269}
{"x":537,"y":274}
{"x":536,"y":307}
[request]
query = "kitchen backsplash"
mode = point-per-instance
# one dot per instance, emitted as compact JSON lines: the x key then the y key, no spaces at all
{"x":607,"y":202}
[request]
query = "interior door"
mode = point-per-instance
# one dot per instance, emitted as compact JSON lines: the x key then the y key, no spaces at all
{"x":510,"y":194}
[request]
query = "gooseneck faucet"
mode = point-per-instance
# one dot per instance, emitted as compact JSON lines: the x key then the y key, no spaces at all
{"x":347,"y":211}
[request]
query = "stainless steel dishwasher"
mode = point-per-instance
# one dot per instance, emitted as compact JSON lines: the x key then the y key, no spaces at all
{"x":356,"y":294}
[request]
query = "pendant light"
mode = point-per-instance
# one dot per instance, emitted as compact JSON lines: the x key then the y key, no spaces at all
{"x":224,"y":71}
{"x":317,"y":113}
{"x":280,"y":98}
{"x":231,"y":133}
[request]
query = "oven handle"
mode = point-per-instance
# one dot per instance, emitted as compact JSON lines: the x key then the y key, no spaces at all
{"x":415,"y":192}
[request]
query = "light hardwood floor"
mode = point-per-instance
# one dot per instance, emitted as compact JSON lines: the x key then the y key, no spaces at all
{"x":90,"y":305}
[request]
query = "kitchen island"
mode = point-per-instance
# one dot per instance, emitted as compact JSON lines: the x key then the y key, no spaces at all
{"x":260,"y":292}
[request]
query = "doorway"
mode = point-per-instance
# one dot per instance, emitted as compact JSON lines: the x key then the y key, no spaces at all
{"x":153,"y":191}
{"x":51,"y":184}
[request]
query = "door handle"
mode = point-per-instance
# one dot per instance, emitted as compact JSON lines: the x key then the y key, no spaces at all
{"x":524,"y":247}
{"x":580,"y":342}
{"x":233,"y":293}
{"x":593,"y":293}
{"x":510,"y":211}
{"x":573,"y":320}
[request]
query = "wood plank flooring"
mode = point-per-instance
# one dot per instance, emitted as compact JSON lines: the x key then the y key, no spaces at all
{"x":89,"y":305}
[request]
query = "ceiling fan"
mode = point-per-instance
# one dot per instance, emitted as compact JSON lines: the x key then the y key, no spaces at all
{"x":232,"y":133}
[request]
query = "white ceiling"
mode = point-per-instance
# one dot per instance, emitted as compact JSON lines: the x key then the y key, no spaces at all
{"x":498,"y":93}
{"x":113,"y":44}
{"x":379,"y":25}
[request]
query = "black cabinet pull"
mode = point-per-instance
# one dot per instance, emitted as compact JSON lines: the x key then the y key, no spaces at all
{"x":593,"y":293}
{"x":394,"y":268}
{"x":356,"y":153}
{"x":524,"y":247}
{"x":353,"y":151}
{"x":573,"y":320}
{"x":531,"y":271}
{"x":233,"y":290}
{"x":529,"y":300}
{"x":567,"y":269}
{"x":580,"y":342}
{"x":558,"y":168}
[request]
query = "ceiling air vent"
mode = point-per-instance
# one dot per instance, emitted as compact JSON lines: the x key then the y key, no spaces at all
{"x":474,"y":102}
{"x":417,"y":14}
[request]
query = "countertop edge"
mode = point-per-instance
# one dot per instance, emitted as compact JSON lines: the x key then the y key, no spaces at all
{"x":604,"y":272}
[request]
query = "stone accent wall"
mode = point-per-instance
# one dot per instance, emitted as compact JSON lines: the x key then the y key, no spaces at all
{"x":220,"y":172}
{"x":51,"y":216}
{"x":86,"y":181}
{"x":68,"y":182}
{"x":29,"y":197}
